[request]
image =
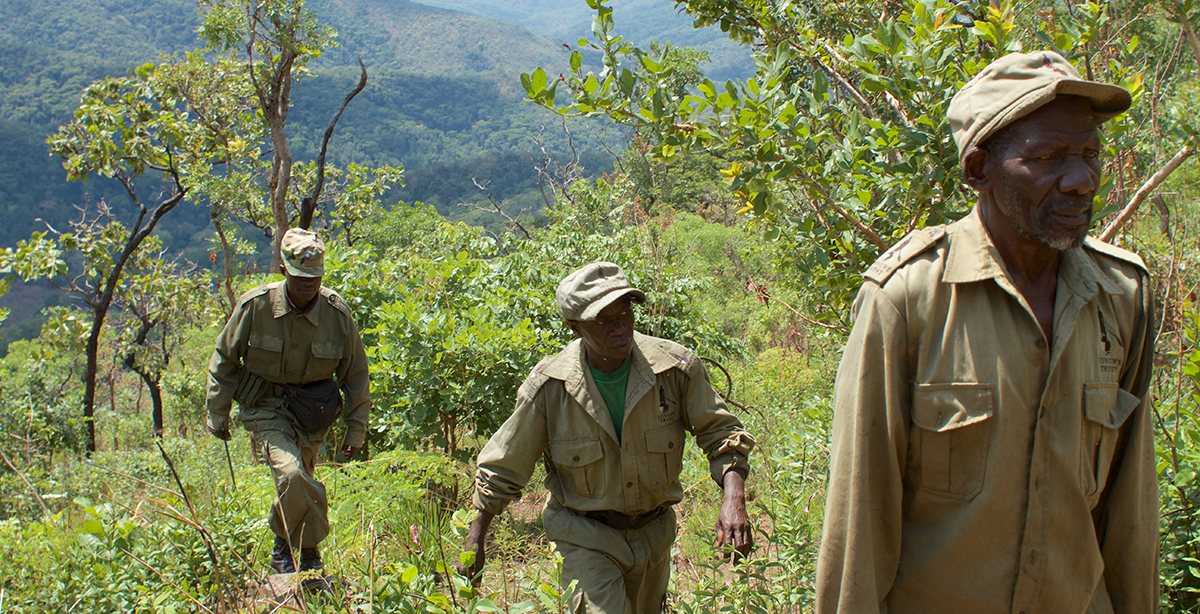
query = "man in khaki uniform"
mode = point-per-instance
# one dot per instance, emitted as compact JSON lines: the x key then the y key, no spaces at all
{"x":291,"y":332}
{"x":609,"y":415}
{"x":992,"y":445}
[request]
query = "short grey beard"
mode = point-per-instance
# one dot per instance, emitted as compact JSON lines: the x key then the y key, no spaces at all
{"x":1018,"y":222}
{"x":1061,"y":243}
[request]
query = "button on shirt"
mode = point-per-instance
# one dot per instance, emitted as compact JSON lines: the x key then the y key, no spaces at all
{"x":559,"y":412}
{"x":979,"y":467}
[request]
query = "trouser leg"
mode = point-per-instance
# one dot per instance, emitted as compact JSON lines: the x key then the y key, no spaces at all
{"x":300,"y":511}
{"x":646,"y":586}
{"x":617,"y":572}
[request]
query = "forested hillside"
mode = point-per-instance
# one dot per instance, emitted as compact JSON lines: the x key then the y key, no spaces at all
{"x":639,"y":21}
{"x":444,"y":89}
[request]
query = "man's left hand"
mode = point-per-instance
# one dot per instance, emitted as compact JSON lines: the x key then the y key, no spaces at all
{"x":348,"y":452}
{"x":733,"y":523}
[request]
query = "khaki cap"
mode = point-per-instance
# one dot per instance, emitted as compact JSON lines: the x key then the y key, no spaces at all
{"x":582,"y":295}
{"x":303,"y":253}
{"x":1017,"y":84}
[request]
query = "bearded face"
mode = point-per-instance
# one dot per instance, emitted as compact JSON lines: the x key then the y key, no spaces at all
{"x":1060,"y":222}
{"x":1044,"y":171}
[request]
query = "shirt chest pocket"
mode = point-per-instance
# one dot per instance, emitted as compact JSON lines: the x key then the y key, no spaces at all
{"x":323,"y":360}
{"x":578,"y":463}
{"x":1105,"y":408}
{"x":264,"y":354}
{"x":948,"y":448}
{"x":664,"y":458}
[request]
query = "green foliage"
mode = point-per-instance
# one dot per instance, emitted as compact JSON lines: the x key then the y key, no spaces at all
{"x":450,"y":351}
{"x":840,"y":142}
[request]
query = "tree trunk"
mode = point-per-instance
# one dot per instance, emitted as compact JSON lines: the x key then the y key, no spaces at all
{"x":100,"y":307}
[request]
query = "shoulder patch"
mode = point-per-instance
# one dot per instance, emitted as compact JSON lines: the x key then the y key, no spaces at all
{"x":253,"y":293}
{"x":667,"y":354}
{"x":537,"y":378}
{"x":1112,"y":250}
{"x":337,"y":301}
{"x":912,"y":245}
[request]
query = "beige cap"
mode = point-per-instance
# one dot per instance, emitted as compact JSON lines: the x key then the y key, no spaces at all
{"x":303,"y":253}
{"x":1014,"y":86}
{"x":582,"y":295}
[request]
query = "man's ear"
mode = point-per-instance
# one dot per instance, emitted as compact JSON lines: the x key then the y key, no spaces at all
{"x":282,"y":269}
{"x":973,"y":166}
{"x":574,"y":326}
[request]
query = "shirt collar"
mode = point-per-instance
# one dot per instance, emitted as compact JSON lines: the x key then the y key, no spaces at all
{"x":281,"y":305}
{"x":972,"y":256}
{"x":647,"y":357}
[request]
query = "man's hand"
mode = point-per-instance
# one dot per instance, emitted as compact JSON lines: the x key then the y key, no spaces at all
{"x":733,"y":523}
{"x":222,"y":434}
{"x":348,"y":452}
{"x":476,"y":539}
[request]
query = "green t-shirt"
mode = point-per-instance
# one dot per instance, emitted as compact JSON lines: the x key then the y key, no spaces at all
{"x":612,"y":389}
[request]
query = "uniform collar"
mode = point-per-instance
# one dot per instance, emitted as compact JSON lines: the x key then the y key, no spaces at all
{"x":281,"y":306}
{"x":648,"y":357}
{"x":972,"y":256}
{"x":570,"y":366}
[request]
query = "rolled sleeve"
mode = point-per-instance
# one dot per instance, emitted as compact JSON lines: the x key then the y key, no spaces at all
{"x":724,"y":439}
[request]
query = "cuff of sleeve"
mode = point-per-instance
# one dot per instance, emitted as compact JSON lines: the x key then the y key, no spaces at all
{"x":354,"y":438}
{"x":721,"y":465}
{"x":218,"y":422}
{"x":488,"y":504}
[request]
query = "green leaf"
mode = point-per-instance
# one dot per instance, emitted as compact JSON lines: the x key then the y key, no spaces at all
{"x":538,"y":80}
{"x":409,"y":574}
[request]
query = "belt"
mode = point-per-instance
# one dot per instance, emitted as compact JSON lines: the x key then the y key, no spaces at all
{"x":621,"y":521}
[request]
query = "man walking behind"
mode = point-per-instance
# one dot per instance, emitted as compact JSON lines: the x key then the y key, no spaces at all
{"x":286,"y":355}
{"x":609,"y":415}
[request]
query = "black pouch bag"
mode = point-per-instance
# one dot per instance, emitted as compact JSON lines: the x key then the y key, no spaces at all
{"x":315,"y":405}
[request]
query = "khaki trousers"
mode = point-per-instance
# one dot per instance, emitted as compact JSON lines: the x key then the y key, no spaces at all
{"x":300,"y":511}
{"x":618,"y":572}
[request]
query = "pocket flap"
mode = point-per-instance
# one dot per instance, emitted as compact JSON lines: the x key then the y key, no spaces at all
{"x":576,"y":452}
{"x":1105,"y":403}
{"x":328,"y":349}
{"x":665,"y":439}
{"x":944,"y":407}
{"x":263,"y":341}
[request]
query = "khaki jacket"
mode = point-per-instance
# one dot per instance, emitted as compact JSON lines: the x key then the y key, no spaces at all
{"x":979,"y":467}
{"x":560,"y":413}
{"x":269,"y":339}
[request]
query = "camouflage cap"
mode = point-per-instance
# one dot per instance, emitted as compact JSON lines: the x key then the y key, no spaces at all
{"x":303,"y":253}
{"x":1015,"y":86}
{"x":583,"y":294}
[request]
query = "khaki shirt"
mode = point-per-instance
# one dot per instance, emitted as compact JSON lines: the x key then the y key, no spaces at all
{"x":979,"y":467}
{"x":272,"y":340}
{"x":560,"y":413}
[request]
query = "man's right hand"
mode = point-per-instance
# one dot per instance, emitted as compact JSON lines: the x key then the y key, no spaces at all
{"x":476,"y":539}
{"x":222,"y":434}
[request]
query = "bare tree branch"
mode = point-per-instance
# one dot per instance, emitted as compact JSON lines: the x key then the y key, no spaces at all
{"x":1143,"y":192}
{"x":309,"y":205}
{"x":497,"y":208}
